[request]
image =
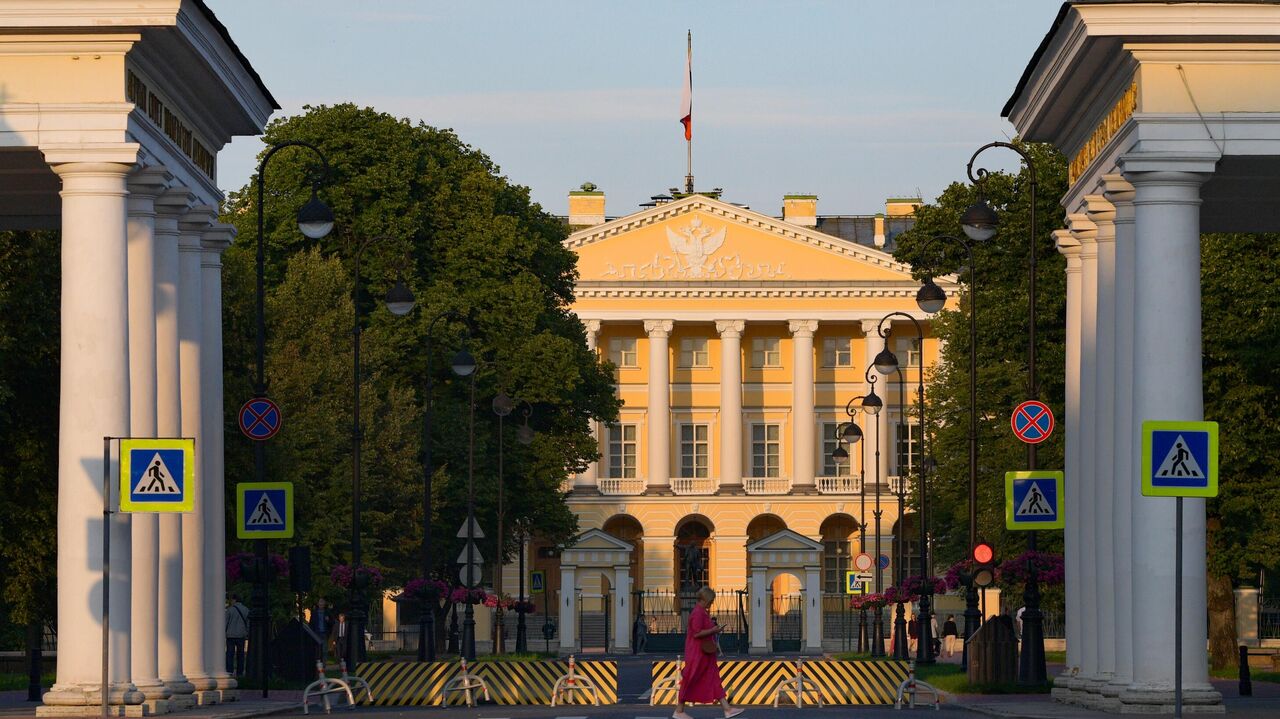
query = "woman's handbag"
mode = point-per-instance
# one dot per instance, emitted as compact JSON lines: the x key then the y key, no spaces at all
{"x":710,"y":646}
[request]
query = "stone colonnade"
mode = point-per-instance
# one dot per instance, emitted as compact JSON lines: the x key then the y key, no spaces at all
{"x":1133,"y":354}
{"x":141,"y":356}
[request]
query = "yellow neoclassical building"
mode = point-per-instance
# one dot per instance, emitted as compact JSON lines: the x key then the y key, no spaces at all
{"x":738,"y":338}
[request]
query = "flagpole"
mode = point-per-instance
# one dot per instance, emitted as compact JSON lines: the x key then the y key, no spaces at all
{"x":688,"y":178}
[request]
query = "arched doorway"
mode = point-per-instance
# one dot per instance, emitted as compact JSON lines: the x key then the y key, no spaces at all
{"x":764,"y":525}
{"x":692,"y":556}
{"x":839,"y":544}
{"x":786,"y":612}
{"x":906,"y":547}
{"x":628,"y":529}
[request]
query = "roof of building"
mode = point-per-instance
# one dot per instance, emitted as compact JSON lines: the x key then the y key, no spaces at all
{"x":244,"y":61}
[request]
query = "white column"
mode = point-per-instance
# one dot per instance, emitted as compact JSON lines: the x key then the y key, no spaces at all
{"x":94,"y":402}
{"x":144,"y":186}
{"x":213,"y":243}
{"x":759,"y":610}
{"x":1120,"y":194}
{"x":568,"y":610}
{"x":659,"y":409}
{"x":803,"y":451}
{"x":1102,"y":214}
{"x":169,"y":208}
{"x":1067,"y":682}
{"x":589,"y":480}
{"x":873,"y":344}
{"x":1167,"y":384}
{"x":622,"y":608}
{"x":195,"y":560}
{"x":730,"y":405}
{"x":812,"y":610}
{"x":1086,"y":474}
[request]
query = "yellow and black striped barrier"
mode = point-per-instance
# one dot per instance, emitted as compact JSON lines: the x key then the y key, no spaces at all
{"x":420,"y":683}
{"x":753,"y":682}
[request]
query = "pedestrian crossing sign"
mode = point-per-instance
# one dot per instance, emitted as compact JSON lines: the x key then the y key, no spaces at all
{"x":157,"y":475}
{"x":1033,"y":500}
{"x":264,"y":510}
{"x":1179,"y":459}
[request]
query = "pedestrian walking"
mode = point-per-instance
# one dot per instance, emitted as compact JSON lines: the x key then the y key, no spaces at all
{"x":319,"y":621}
{"x":340,"y":638}
{"x":700,"y":678}
{"x":641,"y":631}
{"x":237,"y":625}
{"x":913,"y":631}
{"x":950,"y":635}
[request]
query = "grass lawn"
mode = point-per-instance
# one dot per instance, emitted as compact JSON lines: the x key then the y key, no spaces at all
{"x":1256,"y":675}
{"x":16,"y":682}
{"x":951,"y":678}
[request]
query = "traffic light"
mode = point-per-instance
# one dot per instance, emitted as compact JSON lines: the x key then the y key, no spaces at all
{"x":984,"y":569}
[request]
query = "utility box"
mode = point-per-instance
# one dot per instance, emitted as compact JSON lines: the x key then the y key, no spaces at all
{"x":993,"y":652}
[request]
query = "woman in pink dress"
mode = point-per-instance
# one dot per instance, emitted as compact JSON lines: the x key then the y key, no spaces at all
{"x":700,"y":678}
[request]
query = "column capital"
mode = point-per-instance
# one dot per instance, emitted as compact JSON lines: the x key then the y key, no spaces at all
{"x":1118,"y":192}
{"x":81,"y":154}
{"x":1085,"y":231}
{"x":592,"y":326}
{"x":869,"y":327}
{"x":193,"y":224}
{"x":148,"y":183}
{"x":214,"y":241}
{"x":802,"y":328}
{"x":730,"y":328}
{"x":659,"y":328}
{"x":1160,"y":167}
{"x":174,"y":202}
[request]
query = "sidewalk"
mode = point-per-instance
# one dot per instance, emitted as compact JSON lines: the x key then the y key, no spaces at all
{"x":14,"y":705}
{"x":1264,"y":704}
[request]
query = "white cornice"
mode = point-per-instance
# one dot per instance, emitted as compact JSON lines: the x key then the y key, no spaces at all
{"x":737,"y":292}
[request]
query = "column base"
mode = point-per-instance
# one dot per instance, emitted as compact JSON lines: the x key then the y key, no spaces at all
{"x":225,"y":681}
{"x":230,"y":695}
{"x":804,"y":489}
{"x":145,"y":709}
{"x":152,"y":689}
{"x":1148,"y":699}
{"x":71,"y":695}
{"x":658,"y":492}
{"x":178,"y":687}
{"x":202,"y":683}
{"x":181,"y":702}
{"x":207,"y":697}
{"x":731,"y":490}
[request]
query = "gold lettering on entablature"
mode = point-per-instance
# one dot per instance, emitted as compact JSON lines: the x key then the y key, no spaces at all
{"x":137,"y":92}
{"x":1102,"y":134}
{"x":694,"y":256}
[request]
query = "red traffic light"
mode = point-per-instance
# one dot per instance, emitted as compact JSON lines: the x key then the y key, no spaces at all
{"x":983,"y":553}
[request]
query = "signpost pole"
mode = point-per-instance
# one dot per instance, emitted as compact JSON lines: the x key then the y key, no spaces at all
{"x":106,"y":568}
{"x":1177,"y":615}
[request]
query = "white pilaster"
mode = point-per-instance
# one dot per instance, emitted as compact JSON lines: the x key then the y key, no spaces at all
{"x":812,"y":610}
{"x":1067,"y":683}
{"x":144,"y":186}
{"x":759,"y":611}
{"x":659,"y":409}
{"x":169,"y":209}
{"x":1167,"y":385}
{"x":803,"y":451}
{"x":195,"y":559}
{"x":568,"y":609}
{"x":1123,"y":468}
{"x":94,"y":402}
{"x":1086,"y":483}
{"x":872,"y":346}
{"x":589,"y":479}
{"x":1102,"y":214}
{"x":730,"y":404}
{"x":213,"y":243}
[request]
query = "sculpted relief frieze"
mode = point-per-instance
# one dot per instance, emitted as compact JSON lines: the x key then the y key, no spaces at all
{"x":695,"y":255}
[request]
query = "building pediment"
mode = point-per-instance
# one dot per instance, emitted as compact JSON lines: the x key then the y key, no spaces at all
{"x":702,"y":241}
{"x":597,"y":540}
{"x":785,"y":540}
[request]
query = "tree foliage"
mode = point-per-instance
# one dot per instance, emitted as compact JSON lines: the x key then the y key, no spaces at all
{"x":466,"y":241}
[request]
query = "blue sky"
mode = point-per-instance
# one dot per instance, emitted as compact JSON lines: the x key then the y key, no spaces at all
{"x":852,"y":100}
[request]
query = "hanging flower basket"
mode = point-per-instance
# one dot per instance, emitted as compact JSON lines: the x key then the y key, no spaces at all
{"x":462,"y":595}
{"x":243,"y":566}
{"x":428,"y":591}
{"x":359,"y":578}
{"x":869,"y":602}
{"x":1049,"y":569}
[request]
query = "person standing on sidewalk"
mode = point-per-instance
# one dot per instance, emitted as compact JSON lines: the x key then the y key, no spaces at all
{"x":950,"y":633}
{"x":237,"y":618}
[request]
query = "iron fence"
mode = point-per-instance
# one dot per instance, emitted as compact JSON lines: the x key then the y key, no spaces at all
{"x":666,"y":615}
{"x":1268,"y":618}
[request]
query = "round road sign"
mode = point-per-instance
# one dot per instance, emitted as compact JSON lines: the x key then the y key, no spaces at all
{"x":884,"y":561}
{"x":863,"y":562}
{"x":259,"y":418}
{"x":1032,"y":421}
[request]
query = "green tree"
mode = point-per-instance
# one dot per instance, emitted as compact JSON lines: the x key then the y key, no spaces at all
{"x":466,"y":241}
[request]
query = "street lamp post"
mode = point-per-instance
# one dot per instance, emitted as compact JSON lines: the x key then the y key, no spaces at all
{"x":850,"y":433}
{"x":931,"y":298}
{"x":886,"y":363}
{"x":464,"y":365}
{"x":979,"y":222}
{"x":315,"y":221}
{"x":359,"y":610}
{"x":872,"y":404}
{"x":503,"y":405}
{"x":522,"y":640}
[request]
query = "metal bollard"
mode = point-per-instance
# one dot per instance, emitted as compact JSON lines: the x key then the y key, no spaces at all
{"x":1246,"y":682}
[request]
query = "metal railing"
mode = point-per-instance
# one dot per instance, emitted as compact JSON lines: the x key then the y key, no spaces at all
{"x":620,"y":486}
{"x":766,"y":485}
{"x":694,"y":485}
{"x":1268,"y":618}
{"x":839,"y":485}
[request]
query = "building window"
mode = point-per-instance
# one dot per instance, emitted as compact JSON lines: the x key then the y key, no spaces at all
{"x":908,"y":448}
{"x":830,"y":467}
{"x":622,"y":451}
{"x":835,"y":562}
{"x":693,"y":450}
{"x":693,"y":352}
{"x":766,"y":450}
{"x":837,"y":352}
{"x":622,"y":352}
{"x":908,"y":352}
{"x":766,"y":352}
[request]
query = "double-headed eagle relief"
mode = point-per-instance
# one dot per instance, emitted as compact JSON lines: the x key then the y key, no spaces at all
{"x":694,"y":244}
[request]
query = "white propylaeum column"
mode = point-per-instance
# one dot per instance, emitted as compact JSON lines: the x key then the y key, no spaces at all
{"x":589,"y":480}
{"x":759,"y":598}
{"x":812,"y":610}
{"x":170,"y":207}
{"x":1102,"y":214}
{"x":94,"y":403}
{"x":659,"y":408}
{"x":1167,"y":385}
{"x":730,"y":404}
{"x":213,"y":242}
{"x":144,"y":186}
{"x":195,"y":559}
{"x":872,"y":346}
{"x":1086,"y":475}
{"x":568,"y":609}
{"x":1066,"y":683}
{"x":1120,"y":194}
{"x":803,"y":451}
